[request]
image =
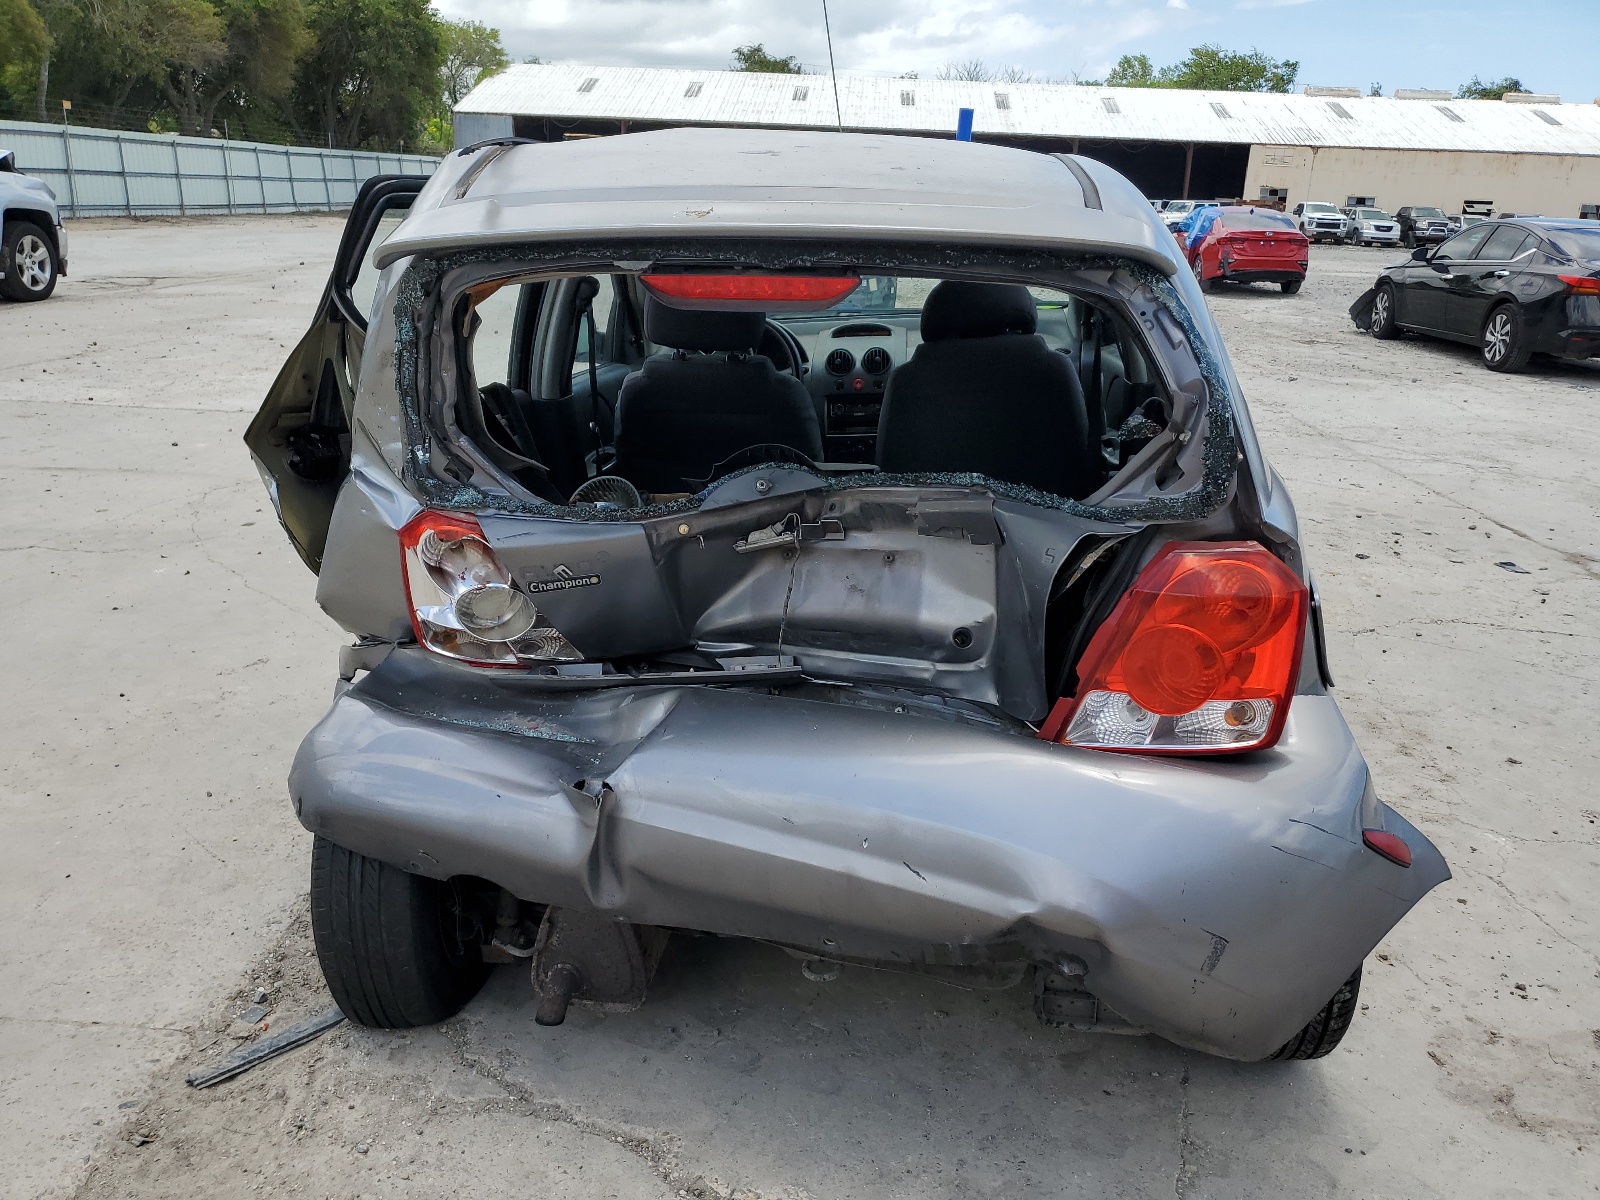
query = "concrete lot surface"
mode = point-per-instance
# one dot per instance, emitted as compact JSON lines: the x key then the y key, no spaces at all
{"x":165,"y":656}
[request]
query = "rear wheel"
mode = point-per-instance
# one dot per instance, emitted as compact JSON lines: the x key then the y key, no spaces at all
{"x":1505,"y":341}
{"x":1206,"y":285}
{"x":1327,"y":1029}
{"x":1383,"y":327}
{"x":1291,"y":286}
{"x":29,"y":258}
{"x":392,"y":945}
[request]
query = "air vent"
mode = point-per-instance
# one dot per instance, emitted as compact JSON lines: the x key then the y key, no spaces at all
{"x":876,"y":361}
{"x":588,"y":84}
{"x":839,"y":362}
{"x":1545,"y":117}
{"x":693,"y":90}
{"x":1452,"y":114}
{"x":1110,"y":105}
{"x":1340,"y":111}
{"x":1221,"y":110}
{"x":800,"y":95}
{"x":1001,"y":100}
{"x":908,"y":99}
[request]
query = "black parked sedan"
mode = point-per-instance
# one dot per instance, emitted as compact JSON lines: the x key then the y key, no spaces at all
{"x":1511,"y":288}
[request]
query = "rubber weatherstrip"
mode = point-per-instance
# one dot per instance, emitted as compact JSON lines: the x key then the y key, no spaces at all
{"x":1091,"y":194}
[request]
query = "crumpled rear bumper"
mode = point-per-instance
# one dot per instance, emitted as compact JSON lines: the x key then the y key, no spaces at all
{"x":1217,"y":903}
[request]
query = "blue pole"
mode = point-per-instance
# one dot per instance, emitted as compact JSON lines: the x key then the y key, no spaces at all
{"x":964,"y":125}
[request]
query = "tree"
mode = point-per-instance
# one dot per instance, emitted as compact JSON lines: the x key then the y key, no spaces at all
{"x":24,"y":46}
{"x":1479,"y":90}
{"x":472,"y":53}
{"x":975,"y":70}
{"x":754,"y":57}
{"x":372,"y":74}
{"x":250,"y":47}
{"x":1213,"y":69}
{"x":1208,"y":69}
{"x":1133,"y":70}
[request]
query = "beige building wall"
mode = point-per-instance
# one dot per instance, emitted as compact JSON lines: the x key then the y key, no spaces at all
{"x":1552,"y":185}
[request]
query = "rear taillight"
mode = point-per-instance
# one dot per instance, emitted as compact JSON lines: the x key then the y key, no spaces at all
{"x":1581,"y":285}
{"x":1199,"y":657}
{"x":465,"y":604}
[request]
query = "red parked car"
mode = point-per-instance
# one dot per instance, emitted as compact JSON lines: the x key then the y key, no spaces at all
{"x":1248,"y":245}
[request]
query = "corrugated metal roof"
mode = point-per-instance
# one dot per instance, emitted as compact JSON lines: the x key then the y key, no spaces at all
{"x":1054,"y":110}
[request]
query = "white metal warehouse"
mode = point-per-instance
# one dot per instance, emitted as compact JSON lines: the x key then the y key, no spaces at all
{"x":1527,"y":154}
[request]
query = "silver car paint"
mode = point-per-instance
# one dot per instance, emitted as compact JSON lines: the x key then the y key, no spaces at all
{"x":23,"y":196}
{"x":1218,"y":902}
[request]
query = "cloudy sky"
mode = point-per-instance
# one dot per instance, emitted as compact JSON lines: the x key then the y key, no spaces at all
{"x":1548,"y":44}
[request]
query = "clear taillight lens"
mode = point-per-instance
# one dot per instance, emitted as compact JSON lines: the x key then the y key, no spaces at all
{"x":1199,"y":657}
{"x":465,"y":604}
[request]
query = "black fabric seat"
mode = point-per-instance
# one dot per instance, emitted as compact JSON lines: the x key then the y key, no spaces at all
{"x":678,"y":416}
{"x":985,"y":393}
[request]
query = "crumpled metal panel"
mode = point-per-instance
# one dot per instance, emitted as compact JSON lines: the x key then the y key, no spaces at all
{"x":1219,"y":905}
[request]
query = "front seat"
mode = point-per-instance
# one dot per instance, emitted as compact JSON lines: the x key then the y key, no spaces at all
{"x":985,"y":393}
{"x":680,"y":415}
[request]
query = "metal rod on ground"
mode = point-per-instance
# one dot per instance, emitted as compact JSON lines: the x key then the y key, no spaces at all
{"x":256,"y":1053}
{"x":833,"y":73}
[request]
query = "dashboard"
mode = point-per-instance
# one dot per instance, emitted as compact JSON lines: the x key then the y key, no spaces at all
{"x":850,"y":360}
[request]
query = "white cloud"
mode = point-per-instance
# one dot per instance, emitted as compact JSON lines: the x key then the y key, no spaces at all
{"x":1051,"y":38}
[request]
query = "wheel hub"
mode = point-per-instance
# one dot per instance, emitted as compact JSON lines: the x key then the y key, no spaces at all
{"x":32,"y":259}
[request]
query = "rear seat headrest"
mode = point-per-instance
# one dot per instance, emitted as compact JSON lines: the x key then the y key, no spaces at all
{"x":699,"y":329}
{"x":958,"y":309}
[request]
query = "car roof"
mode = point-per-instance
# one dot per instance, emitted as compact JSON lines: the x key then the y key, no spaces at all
{"x":777,"y":184}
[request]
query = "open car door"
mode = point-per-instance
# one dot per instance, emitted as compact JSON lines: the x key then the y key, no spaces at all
{"x":301,"y":437}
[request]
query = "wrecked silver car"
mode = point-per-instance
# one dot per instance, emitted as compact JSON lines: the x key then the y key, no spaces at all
{"x":854,"y":543}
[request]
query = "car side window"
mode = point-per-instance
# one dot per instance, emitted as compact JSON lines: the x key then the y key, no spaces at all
{"x":1463,"y":245}
{"x":491,"y":339}
{"x":604,"y":302}
{"x":1506,"y":244}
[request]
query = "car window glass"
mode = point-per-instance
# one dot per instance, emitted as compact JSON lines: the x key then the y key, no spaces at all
{"x":1580,"y":244}
{"x":604,"y":302}
{"x":366,"y":283}
{"x":1256,"y":221}
{"x":1427,"y":214}
{"x":1462,"y":245}
{"x":1505,"y":243}
{"x":491,"y":341}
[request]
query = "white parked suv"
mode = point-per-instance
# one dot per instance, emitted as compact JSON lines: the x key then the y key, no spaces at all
{"x":1321,"y":222}
{"x":33,"y":242}
{"x":1371,"y":227}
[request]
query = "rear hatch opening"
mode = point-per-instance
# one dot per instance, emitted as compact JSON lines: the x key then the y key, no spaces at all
{"x":993,"y":443}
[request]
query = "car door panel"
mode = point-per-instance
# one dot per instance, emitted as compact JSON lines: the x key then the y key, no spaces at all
{"x":1434,"y":281}
{"x":300,"y":437}
{"x":1485,"y":279}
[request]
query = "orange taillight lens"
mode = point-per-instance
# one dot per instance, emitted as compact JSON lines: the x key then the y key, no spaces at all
{"x":1199,"y":657}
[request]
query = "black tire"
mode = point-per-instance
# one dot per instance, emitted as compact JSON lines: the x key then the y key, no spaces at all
{"x":28,"y":257}
{"x":1291,"y":286}
{"x":1206,"y":285}
{"x":1383,"y":326}
{"x":1504,"y":340}
{"x":1327,"y":1029}
{"x":1409,"y":240}
{"x":388,"y":941}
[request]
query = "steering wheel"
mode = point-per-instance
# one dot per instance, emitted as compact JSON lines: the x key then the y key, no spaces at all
{"x":783,"y":349}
